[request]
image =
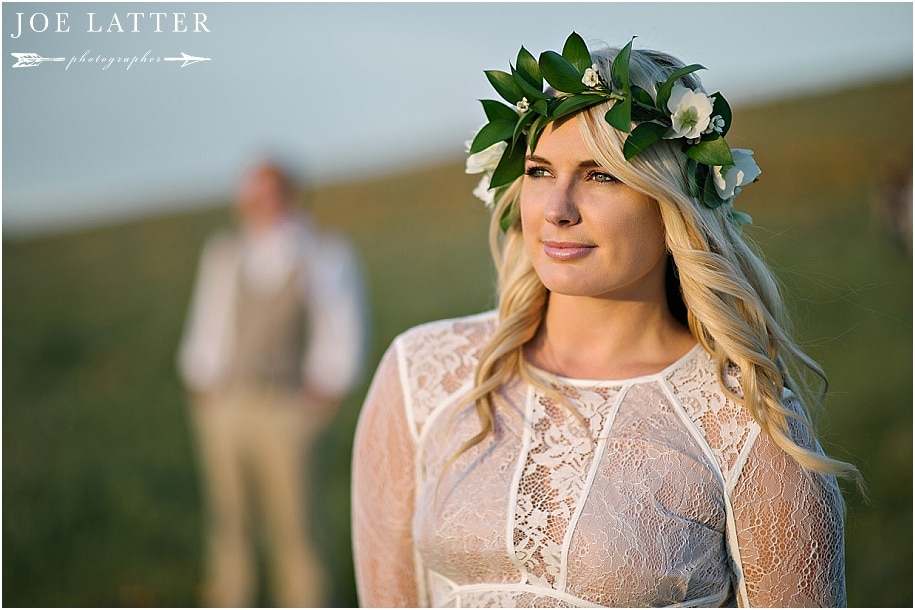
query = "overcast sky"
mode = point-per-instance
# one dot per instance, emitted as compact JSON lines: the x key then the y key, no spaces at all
{"x":344,"y":90}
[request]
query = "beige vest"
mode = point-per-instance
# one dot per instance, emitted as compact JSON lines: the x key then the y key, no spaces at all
{"x":269,"y":337}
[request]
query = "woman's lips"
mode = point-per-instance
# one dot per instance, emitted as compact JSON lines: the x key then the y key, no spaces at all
{"x":565,"y":250}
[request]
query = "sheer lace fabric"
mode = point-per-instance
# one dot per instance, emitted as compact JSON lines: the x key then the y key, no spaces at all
{"x":661,"y":491}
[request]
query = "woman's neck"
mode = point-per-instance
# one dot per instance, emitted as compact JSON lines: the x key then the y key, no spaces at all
{"x":591,"y":338}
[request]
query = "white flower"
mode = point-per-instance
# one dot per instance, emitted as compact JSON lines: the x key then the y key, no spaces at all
{"x":523,"y":105}
{"x":729,"y":178}
{"x":591,"y":77}
{"x":486,"y":160}
{"x":716,"y":124}
{"x":690,"y":111}
{"x":483,"y":192}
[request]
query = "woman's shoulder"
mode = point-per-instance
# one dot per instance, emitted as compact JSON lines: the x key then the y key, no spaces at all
{"x":437,"y":361}
{"x":711,"y":396}
{"x":463,"y":333}
{"x":700,"y":373}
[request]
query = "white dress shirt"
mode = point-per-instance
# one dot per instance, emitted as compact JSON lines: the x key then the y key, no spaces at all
{"x":331,"y":290}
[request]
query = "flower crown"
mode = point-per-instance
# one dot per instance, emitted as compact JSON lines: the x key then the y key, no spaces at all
{"x":715,"y":171}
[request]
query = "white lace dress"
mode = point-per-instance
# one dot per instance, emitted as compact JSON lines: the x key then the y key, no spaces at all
{"x":671,"y":497}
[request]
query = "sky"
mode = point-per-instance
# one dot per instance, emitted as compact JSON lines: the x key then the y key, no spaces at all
{"x":344,"y":91}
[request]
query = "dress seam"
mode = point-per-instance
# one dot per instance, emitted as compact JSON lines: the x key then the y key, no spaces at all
{"x":404,"y":374}
{"x":512,"y":512}
{"x":730,"y":524}
{"x":600,"y":450}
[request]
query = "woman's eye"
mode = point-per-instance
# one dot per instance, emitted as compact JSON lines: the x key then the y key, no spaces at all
{"x":602,"y":177}
{"x":536,"y":172}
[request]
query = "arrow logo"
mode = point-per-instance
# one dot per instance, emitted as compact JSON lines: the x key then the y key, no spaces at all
{"x":31,"y":60}
{"x":186,"y":59}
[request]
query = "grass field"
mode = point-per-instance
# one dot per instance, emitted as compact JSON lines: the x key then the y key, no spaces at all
{"x":100,"y":493}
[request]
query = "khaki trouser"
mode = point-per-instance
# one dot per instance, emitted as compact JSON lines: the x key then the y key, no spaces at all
{"x":252,"y":455}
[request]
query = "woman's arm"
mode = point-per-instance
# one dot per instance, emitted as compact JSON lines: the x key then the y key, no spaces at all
{"x":383,"y":495}
{"x":790,"y":531}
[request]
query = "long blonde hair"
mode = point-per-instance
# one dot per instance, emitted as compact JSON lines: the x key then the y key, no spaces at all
{"x":733,"y":303}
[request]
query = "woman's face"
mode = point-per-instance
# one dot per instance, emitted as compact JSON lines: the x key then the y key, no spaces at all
{"x":586,"y":233}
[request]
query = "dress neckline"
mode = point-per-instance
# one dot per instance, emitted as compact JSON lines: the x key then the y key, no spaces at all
{"x":579,"y":382}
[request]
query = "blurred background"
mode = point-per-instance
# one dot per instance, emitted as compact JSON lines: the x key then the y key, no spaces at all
{"x":113,"y":177}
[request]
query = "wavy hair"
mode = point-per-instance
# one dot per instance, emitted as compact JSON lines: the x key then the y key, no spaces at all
{"x":733,"y":305}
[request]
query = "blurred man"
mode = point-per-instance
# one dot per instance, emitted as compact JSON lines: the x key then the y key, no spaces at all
{"x":273,"y":341}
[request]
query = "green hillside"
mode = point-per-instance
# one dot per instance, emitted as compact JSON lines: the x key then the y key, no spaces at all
{"x":100,"y":491}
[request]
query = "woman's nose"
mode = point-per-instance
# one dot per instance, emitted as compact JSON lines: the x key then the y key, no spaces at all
{"x":561,"y":209}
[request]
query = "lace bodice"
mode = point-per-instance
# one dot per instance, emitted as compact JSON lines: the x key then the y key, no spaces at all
{"x":661,"y":491}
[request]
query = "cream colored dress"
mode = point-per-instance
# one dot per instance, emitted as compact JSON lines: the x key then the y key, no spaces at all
{"x":670,"y":497}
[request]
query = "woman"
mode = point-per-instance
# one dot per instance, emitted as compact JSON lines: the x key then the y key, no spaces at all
{"x":628,"y":429}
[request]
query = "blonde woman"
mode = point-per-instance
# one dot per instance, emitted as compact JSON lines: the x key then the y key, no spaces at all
{"x":632,"y":426}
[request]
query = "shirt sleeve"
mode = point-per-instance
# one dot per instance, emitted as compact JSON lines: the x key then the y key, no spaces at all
{"x":208,"y":335}
{"x":336,"y":330}
{"x":383,"y":491}
{"x":790,"y":530}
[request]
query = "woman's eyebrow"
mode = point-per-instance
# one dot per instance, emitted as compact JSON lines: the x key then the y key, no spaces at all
{"x":584,"y":164}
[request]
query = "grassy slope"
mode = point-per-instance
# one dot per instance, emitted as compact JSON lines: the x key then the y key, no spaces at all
{"x":101,"y":503}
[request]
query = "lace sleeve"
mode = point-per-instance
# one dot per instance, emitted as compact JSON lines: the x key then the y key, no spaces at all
{"x":790,"y":533}
{"x":382,"y":495}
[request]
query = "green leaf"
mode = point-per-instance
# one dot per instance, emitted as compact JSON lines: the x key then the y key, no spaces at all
{"x":536,"y":129}
{"x":640,"y":114}
{"x":709,"y":196}
{"x":527,"y":89}
{"x":702,"y":184}
{"x":541,"y":106}
{"x":497,"y":111}
{"x":641,"y":96}
{"x":619,"y":70}
{"x":576,"y":51}
{"x":522,"y":125}
{"x":508,"y":217}
{"x":711,"y":152}
{"x":642,"y":137}
{"x":492,"y":133}
{"x":528,"y":69}
{"x":643,"y":108}
{"x":505,"y":85}
{"x":722,"y":107}
{"x":574,"y":103}
{"x":667,"y":86}
{"x":739,"y":218}
{"x":692,"y":175}
{"x":561,"y":74}
{"x":620,"y":115}
{"x":511,"y":165}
